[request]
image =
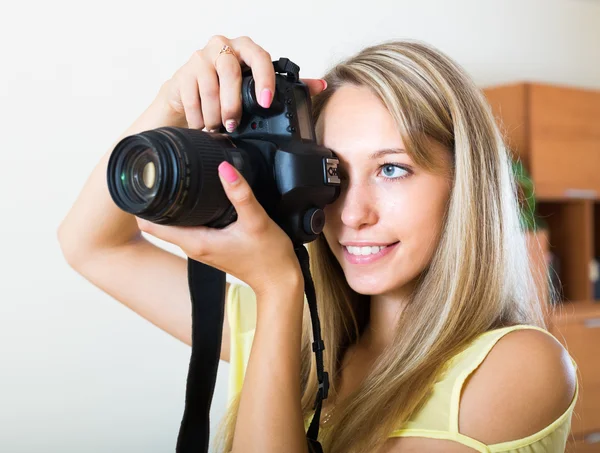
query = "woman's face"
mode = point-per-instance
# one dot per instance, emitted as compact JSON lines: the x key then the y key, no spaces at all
{"x":406,"y":210}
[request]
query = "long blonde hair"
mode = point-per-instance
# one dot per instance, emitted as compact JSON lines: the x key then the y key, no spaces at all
{"x":479,"y":277}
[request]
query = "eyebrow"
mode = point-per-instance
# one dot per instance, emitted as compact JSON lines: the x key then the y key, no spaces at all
{"x":383,"y":152}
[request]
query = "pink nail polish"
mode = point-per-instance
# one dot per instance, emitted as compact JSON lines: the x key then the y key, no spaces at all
{"x":230,"y":125}
{"x":228,"y":172}
{"x":265,"y":98}
{"x":324,"y":84}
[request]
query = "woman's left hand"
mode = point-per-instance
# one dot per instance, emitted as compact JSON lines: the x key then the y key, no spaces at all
{"x":253,"y":249}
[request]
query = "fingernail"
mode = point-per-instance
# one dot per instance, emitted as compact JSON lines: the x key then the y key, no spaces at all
{"x":265,"y":98}
{"x":230,"y":125}
{"x":227,"y":172}
{"x":324,"y":84}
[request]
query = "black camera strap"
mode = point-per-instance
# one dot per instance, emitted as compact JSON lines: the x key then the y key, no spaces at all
{"x":207,"y":290}
{"x":318,"y":347}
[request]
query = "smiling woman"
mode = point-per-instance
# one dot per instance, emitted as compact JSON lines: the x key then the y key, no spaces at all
{"x":433,"y":335}
{"x":434,"y":340}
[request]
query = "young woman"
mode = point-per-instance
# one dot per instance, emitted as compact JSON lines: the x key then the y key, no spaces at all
{"x":434,"y":336}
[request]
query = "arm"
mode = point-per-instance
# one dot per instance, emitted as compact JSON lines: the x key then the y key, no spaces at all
{"x":270,"y":414}
{"x":104,"y":244}
{"x":94,"y":221}
{"x":151,"y":282}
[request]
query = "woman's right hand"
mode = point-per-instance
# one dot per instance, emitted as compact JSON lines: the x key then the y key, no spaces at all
{"x":206,"y":91}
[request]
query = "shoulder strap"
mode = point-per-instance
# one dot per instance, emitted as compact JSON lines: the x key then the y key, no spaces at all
{"x":207,"y":291}
{"x":477,"y":354}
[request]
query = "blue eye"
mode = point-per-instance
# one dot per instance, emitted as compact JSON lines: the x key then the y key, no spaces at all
{"x":390,"y":169}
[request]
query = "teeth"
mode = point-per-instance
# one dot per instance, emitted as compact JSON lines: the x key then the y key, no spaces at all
{"x":364,"y":250}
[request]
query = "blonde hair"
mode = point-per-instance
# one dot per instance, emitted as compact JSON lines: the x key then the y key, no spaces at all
{"x":479,"y":277}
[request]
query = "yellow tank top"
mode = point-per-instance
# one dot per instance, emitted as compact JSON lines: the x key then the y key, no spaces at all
{"x":438,"y":418}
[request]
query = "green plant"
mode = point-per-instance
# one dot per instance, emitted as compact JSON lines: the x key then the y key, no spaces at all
{"x":529,"y":219}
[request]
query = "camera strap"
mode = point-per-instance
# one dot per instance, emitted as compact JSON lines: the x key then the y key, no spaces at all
{"x":207,"y":290}
{"x":318,"y":347}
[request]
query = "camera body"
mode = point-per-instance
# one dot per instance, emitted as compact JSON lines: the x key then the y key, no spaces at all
{"x":169,"y":175}
{"x":288,"y":116}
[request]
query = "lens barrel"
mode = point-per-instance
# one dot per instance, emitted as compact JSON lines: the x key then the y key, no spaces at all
{"x":170,"y":176}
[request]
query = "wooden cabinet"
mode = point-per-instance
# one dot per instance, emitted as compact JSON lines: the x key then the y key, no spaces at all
{"x":555,"y":131}
{"x":570,"y":230}
{"x":578,"y":333}
{"x":565,"y":139}
{"x":582,"y":446}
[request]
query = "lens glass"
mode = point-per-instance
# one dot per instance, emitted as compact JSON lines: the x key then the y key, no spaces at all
{"x":139,"y":174}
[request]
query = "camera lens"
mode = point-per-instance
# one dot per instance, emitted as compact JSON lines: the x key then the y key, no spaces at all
{"x":170,"y":176}
{"x":141,"y":172}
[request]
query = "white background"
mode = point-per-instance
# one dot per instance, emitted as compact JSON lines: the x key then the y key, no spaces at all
{"x":78,"y":371}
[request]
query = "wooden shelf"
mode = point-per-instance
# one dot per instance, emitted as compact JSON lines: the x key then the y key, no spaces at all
{"x":552,"y":192}
{"x":571,"y":236}
{"x":575,"y":311}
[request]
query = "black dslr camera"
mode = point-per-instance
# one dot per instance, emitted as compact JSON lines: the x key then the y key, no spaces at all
{"x":169,"y":175}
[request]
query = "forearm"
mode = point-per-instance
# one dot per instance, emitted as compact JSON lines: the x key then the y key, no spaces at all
{"x":94,"y":221}
{"x":270,"y":413}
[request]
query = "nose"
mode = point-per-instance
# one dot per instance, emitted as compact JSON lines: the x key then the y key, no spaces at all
{"x":358,"y":207}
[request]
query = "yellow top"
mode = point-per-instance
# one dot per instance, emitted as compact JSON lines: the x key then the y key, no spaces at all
{"x":438,"y":418}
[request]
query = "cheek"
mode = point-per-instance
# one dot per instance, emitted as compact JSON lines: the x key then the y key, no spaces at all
{"x":423,"y":219}
{"x":421,"y":227}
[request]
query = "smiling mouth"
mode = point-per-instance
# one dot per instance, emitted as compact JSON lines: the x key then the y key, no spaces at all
{"x":371,"y":254}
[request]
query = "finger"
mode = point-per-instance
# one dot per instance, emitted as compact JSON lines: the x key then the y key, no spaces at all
{"x":230,"y":81}
{"x":190,"y":98}
{"x":208,"y":84}
{"x":315,"y":86}
{"x":261,"y":64}
{"x":249,"y":210}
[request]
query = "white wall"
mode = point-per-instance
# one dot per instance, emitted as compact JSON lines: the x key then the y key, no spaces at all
{"x":78,"y":371}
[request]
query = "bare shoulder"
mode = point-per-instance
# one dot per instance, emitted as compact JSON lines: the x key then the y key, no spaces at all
{"x":526,"y":382}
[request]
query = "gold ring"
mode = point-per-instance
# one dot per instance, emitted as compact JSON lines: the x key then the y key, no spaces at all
{"x":225,"y":49}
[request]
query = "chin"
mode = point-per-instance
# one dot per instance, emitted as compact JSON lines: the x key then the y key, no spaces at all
{"x":381,"y":283}
{"x":365,"y":291}
{"x":368,"y":286}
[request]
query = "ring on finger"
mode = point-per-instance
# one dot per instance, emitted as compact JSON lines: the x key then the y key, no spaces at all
{"x":225,"y":49}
